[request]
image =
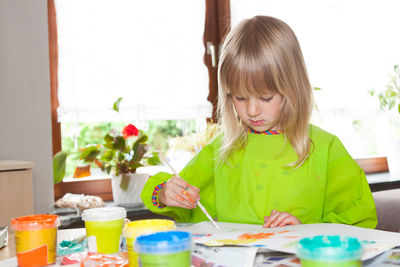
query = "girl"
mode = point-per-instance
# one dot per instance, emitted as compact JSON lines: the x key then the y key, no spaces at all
{"x":269,"y":165}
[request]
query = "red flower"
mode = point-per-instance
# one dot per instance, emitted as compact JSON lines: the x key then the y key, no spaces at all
{"x":130,"y":130}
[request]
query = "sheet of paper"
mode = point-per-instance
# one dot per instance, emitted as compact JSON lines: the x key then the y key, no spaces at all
{"x":223,"y":256}
{"x":284,"y":239}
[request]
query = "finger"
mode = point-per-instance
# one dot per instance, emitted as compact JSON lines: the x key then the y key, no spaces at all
{"x":266,"y":219}
{"x":289,"y":220}
{"x":282,"y":216}
{"x":174,"y":203}
{"x":184,"y":196}
{"x":193,"y":192}
{"x":180,"y":201}
{"x":171,"y":194}
{"x":292,"y":220}
{"x":272,"y":218}
{"x":194,"y":188}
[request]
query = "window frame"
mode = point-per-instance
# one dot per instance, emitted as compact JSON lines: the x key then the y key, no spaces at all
{"x":217,"y":25}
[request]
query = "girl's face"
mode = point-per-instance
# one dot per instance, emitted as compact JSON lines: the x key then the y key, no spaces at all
{"x":259,"y":113}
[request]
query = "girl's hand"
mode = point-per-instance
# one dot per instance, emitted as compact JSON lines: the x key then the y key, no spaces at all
{"x":178,"y":193}
{"x":278,"y":218}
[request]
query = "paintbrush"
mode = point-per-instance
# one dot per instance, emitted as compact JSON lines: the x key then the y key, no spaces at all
{"x":203,"y":209}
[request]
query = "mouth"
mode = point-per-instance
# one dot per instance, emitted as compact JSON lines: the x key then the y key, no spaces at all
{"x":256,"y":122}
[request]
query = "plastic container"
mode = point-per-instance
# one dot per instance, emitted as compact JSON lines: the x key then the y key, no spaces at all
{"x":141,"y":227}
{"x":35,"y":239}
{"x":101,"y":260}
{"x":104,"y":228}
{"x":164,"y":249}
{"x":330,"y":251}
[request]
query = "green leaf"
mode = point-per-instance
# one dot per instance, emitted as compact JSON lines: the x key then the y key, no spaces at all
{"x":138,"y":151}
{"x":316,"y":88}
{"x":120,"y":156}
{"x":90,"y":153}
{"x":154,"y":160}
{"x":59,"y":164}
{"x":116,"y":104}
{"x":398,"y":108}
{"x":124,"y":182}
{"x":371,"y":92}
{"x":108,"y":169}
{"x":134,"y":165}
{"x":108,"y":138}
{"x":119,"y":142}
{"x":108,"y":155}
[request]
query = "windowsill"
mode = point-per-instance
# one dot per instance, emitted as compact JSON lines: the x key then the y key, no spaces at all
{"x":382,"y":181}
{"x":99,"y":175}
{"x":381,"y":177}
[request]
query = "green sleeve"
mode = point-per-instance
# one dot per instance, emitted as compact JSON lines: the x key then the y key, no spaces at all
{"x":198,"y":172}
{"x":348,"y":198}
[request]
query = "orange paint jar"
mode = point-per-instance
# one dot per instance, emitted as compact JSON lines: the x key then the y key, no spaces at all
{"x":35,"y":239}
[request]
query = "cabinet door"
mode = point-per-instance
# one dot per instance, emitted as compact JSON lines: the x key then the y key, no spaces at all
{"x":16,"y":194}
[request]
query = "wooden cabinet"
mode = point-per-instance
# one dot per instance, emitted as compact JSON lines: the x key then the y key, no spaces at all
{"x":16,"y":191}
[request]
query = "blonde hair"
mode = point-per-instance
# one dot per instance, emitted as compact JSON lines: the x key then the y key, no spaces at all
{"x":261,"y":56}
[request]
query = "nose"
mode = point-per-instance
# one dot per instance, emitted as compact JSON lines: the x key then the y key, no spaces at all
{"x":253,"y":108}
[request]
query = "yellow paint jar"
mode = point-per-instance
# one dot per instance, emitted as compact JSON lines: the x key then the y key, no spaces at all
{"x":35,"y":239}
{"x":141,"y":227}
{"x":104,"y":228}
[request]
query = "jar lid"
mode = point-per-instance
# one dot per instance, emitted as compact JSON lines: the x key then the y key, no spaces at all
{"x":329,"y":247}
{"x":104,"y":214}
{"x":163,"y":242}
{"x":141,"y":227}
{"x":35,"y":222}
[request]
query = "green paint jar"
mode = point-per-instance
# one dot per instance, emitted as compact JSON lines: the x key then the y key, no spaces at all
{"x":330,"y":251}
{"x":164,"y":249}
{"x":104,"y":228}
{"x":143,"y":227}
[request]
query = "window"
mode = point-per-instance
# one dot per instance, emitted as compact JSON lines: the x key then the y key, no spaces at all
{"x":349,"y":49}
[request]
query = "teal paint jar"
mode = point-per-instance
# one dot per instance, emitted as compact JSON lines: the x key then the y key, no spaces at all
{"x":164,"y":249}
{"x":330,"y":251}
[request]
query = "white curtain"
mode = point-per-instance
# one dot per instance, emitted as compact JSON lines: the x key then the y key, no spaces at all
{"x":148,"y":52}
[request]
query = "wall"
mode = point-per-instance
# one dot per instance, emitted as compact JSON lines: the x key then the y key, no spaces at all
{"x":25,"y":122}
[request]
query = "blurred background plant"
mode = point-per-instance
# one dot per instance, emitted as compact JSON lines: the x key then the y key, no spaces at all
{"x":194,"y":142}
{"x":390,"y":98}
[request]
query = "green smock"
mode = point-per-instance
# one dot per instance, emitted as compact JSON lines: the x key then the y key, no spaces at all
{"x":329,"y":187}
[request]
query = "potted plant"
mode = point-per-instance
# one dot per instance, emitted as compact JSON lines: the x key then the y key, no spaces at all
{"x":121,"y":153}
{"x":390,"y":100}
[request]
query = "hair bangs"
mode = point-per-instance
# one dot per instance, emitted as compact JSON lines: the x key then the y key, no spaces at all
{"x":248,"y":76}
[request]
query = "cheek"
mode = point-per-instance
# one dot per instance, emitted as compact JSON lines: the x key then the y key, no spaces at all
{"x":275,"y":110}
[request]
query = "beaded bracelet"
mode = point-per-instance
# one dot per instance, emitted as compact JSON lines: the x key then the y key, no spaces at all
{"x":154,"y":196}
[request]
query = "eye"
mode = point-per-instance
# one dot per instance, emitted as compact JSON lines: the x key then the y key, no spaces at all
{"x":266,"y":99}
{"x":239,"y":98}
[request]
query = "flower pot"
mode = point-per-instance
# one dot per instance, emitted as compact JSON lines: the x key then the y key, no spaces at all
{"x":135,"y":183}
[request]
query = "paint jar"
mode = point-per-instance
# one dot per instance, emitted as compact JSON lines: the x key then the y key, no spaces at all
{"x":35,"y":239}
{"x":330,"y":251}
{"x":164,"y":249}
{"x":136,"y":228}
{"x":104,"y":229}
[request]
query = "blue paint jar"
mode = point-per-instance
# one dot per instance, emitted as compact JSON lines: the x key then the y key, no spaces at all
{"x":330,"y":251}
{"x":164,"y":249}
